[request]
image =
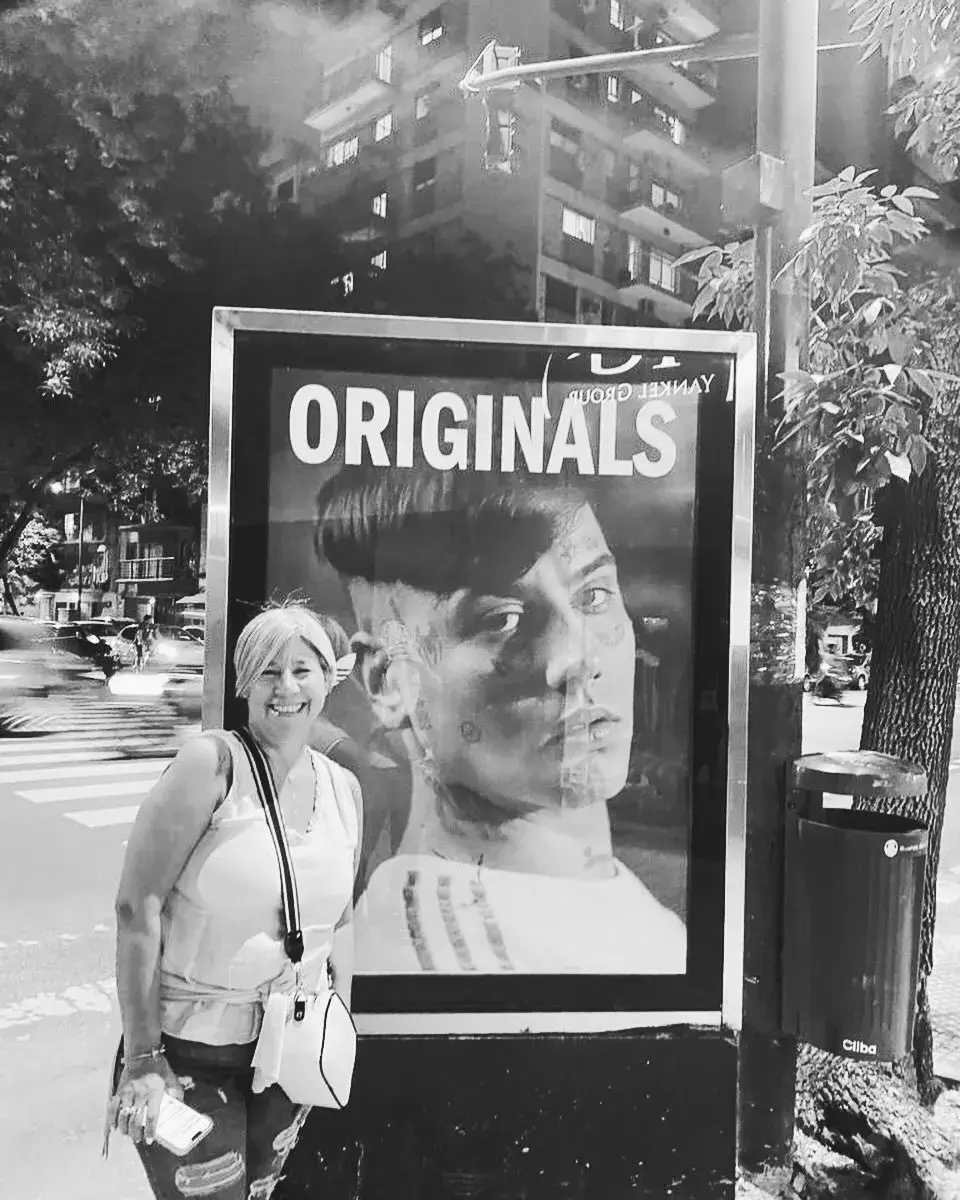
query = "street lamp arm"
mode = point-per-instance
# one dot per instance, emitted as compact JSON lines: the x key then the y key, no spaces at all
{"x":719,"y":48}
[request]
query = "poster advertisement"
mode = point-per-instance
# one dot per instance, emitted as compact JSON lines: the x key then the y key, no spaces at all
{"x":514,"y":559}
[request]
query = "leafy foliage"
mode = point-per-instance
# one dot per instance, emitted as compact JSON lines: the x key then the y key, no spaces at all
{"x":914,"y":32}
{"x":34,"y":562}
{"x":117,"y":127}
{"x":882,"y":357}
{"x":921,"y":38}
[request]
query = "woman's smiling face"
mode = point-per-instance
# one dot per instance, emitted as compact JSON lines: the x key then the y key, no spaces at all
{"x":289,"y":693}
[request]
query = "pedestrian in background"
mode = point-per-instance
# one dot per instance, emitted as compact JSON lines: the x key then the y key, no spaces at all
{"x":200,"y":944}
{"x":142,"y":641}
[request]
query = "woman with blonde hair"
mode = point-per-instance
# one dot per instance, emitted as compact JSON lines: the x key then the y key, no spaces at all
{"x":200,"y":930}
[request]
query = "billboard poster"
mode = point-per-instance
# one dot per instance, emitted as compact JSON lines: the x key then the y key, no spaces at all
{"x":529,"y":549}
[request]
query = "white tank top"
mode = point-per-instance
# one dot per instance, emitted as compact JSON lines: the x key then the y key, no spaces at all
{"x":222,"y":926}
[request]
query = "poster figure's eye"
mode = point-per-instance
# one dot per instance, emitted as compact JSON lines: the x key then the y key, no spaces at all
{"x":499,"y":622}
{"x":595,"y":598}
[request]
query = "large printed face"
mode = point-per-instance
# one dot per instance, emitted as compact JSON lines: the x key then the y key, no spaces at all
{"x":525,"y":698}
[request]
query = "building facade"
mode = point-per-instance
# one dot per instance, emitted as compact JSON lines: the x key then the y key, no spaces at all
{"x":597,"y":182}
{"x":113,"y":569}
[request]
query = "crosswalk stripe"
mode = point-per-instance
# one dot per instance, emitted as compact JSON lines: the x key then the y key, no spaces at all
{"x":88,"y":791}
{"x":140,"y":766}
{"x":75,"y":756}
{"x":42,"y":747}
{"x":98,"y":818}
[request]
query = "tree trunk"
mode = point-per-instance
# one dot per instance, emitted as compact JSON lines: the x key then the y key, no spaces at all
{"x":8,"y":597}
{"x":883,"y":1127}
{"x":913,"y":685}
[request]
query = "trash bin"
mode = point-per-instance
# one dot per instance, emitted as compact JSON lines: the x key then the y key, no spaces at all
{"x":852,"y":906}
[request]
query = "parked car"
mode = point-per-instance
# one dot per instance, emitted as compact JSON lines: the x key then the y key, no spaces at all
{"x":171,"y":648}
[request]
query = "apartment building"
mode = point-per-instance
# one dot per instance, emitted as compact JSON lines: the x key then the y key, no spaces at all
{"x":598,"y":182}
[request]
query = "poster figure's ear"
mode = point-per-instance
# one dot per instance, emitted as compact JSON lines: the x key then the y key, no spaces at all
{"x":381,"y":683}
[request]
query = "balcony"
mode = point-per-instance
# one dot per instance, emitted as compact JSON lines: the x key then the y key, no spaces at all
{"x":356,"y":222}
{"x":655,"y":130}
{"x":135,"y":570}
{"x":691,"y":85}
{"x":684,"y":224}
{"x":695,"y":19}
{"x":352,"y":93}
{"x":577,"y":254}
{"x":637,"y":282}
{"x":640,"y":286}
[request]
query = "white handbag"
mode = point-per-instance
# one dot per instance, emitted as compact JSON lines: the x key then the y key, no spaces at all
{"x":319,"y":1043}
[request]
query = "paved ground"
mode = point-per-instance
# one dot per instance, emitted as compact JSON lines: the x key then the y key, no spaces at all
{"x":828,"y":726}
{"x":66,"y":804}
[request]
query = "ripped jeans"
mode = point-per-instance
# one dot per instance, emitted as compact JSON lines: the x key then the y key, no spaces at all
{"x":243,"y":1155}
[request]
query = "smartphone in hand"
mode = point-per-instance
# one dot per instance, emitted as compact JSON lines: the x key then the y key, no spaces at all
{"x":179,"y":1127}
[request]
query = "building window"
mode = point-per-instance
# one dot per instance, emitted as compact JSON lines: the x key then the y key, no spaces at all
{"x":378,"y":204}
{"x":662,"y":272}
{"x":634,"y":257}
{"x":422,"y":104}
{"x":379,"y":261}
{"x":384,"y":67}
{"x":383,"y":127}
{"x":424,"y":186}
{"x":673,"y":125}
{"x":663,"y":197}
{"x":431,"y":29}
{"x":591,"y":310}
{"x":559,"y":299}
{"x":502,"y":141}
{"x":578,"y":225}
{"x":343,"y":151}
{"x":633,"y":176}
{"x":613,"y":89}
{"x":618,"y":18}
{"x":564,"y":138}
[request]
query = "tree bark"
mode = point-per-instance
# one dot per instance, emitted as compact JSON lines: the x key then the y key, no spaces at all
{"x":8,"y":596}
{"x":885,"y":1122}
{"x":916,"y":660}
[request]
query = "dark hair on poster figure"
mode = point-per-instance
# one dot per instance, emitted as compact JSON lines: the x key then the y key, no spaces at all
{"x":440,"y":531}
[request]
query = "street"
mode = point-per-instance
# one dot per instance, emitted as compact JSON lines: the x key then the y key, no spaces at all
{"x":65,"y":811}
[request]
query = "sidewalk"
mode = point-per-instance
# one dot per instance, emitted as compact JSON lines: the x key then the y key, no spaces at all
{"x":945,"y":980}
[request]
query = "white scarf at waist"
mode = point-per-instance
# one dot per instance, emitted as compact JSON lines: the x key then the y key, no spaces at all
{"x":274,"y":1001}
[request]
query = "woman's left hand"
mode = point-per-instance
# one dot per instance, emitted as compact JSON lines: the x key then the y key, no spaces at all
{"x":135,"y":1105}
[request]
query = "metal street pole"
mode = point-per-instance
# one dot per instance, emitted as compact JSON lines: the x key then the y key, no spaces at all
{"x":786,"y":133}
{"x":486,"y":73}
{"x":80,"y":562}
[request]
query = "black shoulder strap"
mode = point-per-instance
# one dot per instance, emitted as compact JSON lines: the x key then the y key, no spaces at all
{"x":266,"y":789}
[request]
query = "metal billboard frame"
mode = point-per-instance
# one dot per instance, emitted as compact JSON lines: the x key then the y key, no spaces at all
{"x":229,"y":322}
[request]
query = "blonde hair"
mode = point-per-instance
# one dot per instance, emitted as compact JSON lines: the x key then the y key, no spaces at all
{"x":270,"y":632}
